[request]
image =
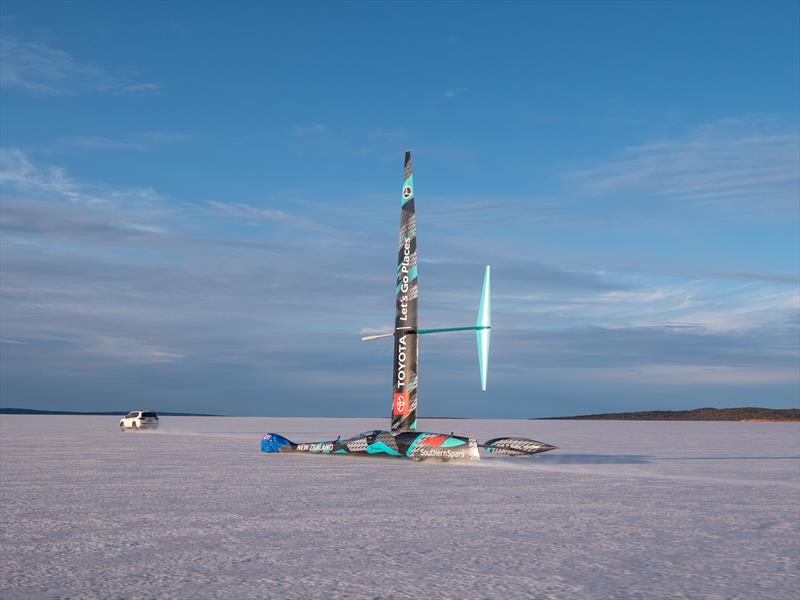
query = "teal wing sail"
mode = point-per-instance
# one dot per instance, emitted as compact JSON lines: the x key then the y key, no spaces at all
{"x":484,"y":324}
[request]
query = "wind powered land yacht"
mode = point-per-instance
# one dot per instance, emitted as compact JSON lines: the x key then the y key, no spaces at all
{"x":403,"y":440}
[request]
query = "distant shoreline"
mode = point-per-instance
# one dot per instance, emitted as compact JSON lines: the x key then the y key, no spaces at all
{"x":742,"y":414}
{"x":117,"y":413}
{"x":747,"y":414}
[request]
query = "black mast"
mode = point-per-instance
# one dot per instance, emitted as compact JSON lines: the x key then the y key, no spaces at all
{"x":404,"y":397}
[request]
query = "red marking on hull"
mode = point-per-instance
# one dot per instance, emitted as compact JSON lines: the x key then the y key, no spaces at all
{"x":435,"y":441}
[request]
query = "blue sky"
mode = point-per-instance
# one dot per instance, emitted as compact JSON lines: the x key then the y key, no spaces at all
{"x":200,"y":204}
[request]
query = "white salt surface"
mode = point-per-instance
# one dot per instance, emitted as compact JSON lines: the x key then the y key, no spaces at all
{"x":621,"y":510}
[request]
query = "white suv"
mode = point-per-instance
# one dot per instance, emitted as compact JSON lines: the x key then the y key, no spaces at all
{"x":138,"y":420}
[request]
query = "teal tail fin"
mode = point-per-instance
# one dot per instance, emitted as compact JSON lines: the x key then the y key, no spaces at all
{"x":484,"y":324}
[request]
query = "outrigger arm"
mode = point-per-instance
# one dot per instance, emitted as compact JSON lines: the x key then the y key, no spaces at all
{"x":369,"y":338}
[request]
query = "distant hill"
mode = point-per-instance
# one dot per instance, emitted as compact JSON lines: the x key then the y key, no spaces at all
{"x":118,"y":413}
{"x":746,"y":413}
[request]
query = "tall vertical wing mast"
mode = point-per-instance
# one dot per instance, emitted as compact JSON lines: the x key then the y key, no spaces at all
{"x":404,"y":396}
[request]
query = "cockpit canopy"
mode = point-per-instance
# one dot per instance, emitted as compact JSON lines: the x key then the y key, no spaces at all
{"x":369,"y":433}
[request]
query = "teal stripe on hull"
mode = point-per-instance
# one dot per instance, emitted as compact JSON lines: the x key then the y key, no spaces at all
{"x":381,"y":448}
{"x":450,"y":442}
{"x":414,"y":443}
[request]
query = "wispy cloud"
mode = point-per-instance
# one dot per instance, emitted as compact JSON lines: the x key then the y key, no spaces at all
{"x":753,"y":276}
{"x":700,"y":306}
{"x":130,"y":350}
{"x":42,"y":199}
{"x":750,"y":163}
{"x":137,"y":89}
{"x":309,"y":129}
{"x":453,"y":92}
{"x":251,"y":214}
{"x":139,"y":141}
{"x":18,"y":171}
{"x":758,"y":309}
{"x":19,"y":174}
{"x":37,"y":67}
{"x":248,"y":212}
{"x":29,"y":217}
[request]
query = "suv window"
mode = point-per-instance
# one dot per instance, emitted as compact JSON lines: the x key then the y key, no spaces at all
{"x":132,"y":414}
{"x":152,"y":415}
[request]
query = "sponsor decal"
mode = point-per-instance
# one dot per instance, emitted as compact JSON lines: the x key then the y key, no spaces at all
{"x":401,"y":365}
{"x":400,"y":404}
{"x":403,"y":280}
{"x":438,"y":453}
{"x":318,"y":447}
{"x":407,"y":191}
{"x":267,"y":436}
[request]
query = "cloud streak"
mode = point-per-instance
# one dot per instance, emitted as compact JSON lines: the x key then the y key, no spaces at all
{"x":309,"y":129}
{"x":39,"y":68}
{"x":453,"y":92}
{"x":139,"y":141}
{"x":739,"y":164}
{"x":18,"y":174}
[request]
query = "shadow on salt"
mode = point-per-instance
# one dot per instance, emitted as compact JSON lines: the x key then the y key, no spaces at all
{"x":593,"y":459}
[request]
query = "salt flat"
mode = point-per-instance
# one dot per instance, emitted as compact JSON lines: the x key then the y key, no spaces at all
{"x":621,"y":510}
